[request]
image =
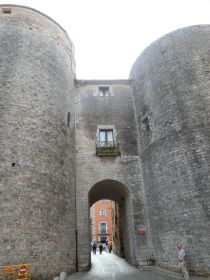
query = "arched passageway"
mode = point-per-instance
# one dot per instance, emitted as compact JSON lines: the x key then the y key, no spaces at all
{"x":119,"y":195}
{"x":125,"y":241}
{"x":108,"y":189}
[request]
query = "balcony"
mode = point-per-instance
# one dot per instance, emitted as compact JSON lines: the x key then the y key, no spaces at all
{"x":109,"y":148}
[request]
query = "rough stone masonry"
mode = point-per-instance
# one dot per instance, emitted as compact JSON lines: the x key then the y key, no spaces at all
{"x":50,"y":168}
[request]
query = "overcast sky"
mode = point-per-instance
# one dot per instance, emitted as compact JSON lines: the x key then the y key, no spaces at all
{"x":110,"y":34}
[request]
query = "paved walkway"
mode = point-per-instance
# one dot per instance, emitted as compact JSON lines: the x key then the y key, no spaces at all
{"x":111,"y":267}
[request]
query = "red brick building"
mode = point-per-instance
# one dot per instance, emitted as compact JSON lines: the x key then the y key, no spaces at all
{"x":101,"y":220}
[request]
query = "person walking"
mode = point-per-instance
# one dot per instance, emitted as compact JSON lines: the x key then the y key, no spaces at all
{"x":110,"y":246}
{"x":182,"y":261}
{"x":100,"y":246}
{"x":94,"y":246}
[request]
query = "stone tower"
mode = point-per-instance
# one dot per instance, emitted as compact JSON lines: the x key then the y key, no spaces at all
{"x":37,"y":142}
{"x":171,"y":80}
{"x":156,"y":169}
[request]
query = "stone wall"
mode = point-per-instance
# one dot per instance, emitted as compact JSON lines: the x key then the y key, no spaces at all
{"x":123,"y":171}
{"x":171,"y":91}
{"x":160,"y":176}
{"x":37,"y":143}
{"x":117,"y":224}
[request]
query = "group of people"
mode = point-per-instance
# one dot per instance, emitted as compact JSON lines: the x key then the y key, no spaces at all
{"x":107,"y":246}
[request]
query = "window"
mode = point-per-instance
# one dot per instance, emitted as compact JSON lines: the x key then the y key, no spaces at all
{"x":145,"y":121}
{"x":7,"y":10}
{"x":103,"y":91}
{"x":103,"y":228}
{"x":102,"y":213}
{"x":106,"y":136}
{"x":106,"y":144}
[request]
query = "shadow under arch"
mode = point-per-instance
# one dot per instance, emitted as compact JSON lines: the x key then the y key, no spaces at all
{"x":120,"y":194}
{"x":108,"y":189}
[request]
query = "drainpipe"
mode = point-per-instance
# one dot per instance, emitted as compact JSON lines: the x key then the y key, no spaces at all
{"x":75,"y":168}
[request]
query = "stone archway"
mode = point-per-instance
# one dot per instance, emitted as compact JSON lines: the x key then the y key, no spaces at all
{"x":108,"y":189}
{"x":118,"y":193}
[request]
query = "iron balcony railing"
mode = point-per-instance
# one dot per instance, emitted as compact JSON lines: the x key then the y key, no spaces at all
{"x":104,"y":148}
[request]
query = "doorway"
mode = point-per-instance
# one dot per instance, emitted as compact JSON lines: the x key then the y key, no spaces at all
{"x":113,"y":196}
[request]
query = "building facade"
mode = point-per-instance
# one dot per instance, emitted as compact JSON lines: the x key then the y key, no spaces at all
{"x":67,"y":143}
{"x":101,"y":221}
{"x":108,"y":164}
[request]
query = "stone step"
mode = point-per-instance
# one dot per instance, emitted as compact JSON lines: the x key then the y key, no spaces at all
{"x":81,"y":276}
{"x":171,"y":274}
{"x":165,"y":272}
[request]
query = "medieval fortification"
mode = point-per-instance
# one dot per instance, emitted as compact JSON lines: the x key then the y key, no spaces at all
{"x":53,"y":165}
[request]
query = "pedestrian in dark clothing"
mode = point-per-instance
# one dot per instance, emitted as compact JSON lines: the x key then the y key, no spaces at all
{"x":100,"y":246}
{"x":94,"y":247}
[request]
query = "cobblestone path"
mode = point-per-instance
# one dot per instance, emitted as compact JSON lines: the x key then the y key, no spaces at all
{"x":111,"y":267}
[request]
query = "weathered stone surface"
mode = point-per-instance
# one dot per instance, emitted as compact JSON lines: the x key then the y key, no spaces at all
{"x":160,"y":178}
{"x":37,"y":216}
{"x":105,"y":174}
{"x":171,"y":87}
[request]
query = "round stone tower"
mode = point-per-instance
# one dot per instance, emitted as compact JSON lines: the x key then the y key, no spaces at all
{"x":171,"y":81}
{"x":37,"y":173}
